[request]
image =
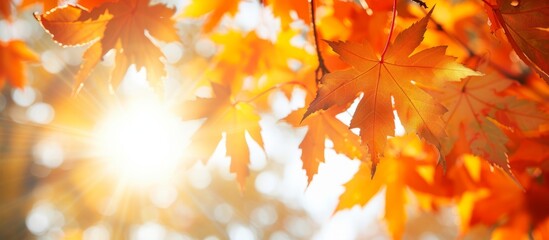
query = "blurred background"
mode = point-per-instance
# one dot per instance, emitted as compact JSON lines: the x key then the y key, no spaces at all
{"x":61,"y":176}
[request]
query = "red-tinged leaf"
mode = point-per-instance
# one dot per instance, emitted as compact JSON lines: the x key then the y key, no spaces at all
{"x":12,"y":56}
{"x":526,"y":26}
{"x":216,"y":9}
{"x":397,"y":77}
{"x":478,"y":104}
{"x":121,"y":26}
{"x":223,"y":116}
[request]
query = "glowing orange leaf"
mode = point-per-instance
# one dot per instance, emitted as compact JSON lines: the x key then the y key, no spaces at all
{"x":400,"y":170}
{"x":235,"y":119}
{"x":12,"y":56}
{"x":392,"y":76}
{"x":120,"y":26}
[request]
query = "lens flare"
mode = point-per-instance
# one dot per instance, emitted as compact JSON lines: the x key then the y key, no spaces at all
{"x":141,"y":144}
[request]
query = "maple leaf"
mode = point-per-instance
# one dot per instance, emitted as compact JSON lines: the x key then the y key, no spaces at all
{"x":121,"y":26}
{"x":216,"y":9}
{"x":403,"y":168}
{"x":235,"y":119}
{"x":12,"y":56}
{"x":321,"y":126}
{"x":347,"y":21}
{"x":393,"y":75}
{"x":478,"y":105}
{"x":242,"y":56}
{"x":526,"y":26}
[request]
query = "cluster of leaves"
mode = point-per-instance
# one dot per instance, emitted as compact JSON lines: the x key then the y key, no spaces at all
{"x":459,"y":81}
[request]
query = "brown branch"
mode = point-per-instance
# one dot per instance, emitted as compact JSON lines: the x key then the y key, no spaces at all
{"x":321,"y":70}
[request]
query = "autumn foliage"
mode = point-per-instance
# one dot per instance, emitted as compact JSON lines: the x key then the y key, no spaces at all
{"x":447,"y":100}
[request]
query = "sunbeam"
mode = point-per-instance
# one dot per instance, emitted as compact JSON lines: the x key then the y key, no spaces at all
{"x":141,"y":144}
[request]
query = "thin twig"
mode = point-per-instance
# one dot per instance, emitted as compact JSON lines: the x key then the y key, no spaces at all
{"x":390,"y":32}
{"x":321,"y":70}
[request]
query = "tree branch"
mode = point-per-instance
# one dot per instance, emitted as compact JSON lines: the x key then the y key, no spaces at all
{"x":321,"y":70}
{"x":390,"y":32}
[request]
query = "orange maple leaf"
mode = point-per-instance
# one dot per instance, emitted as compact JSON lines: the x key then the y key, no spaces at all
{"x":120,"y":26}
{"x":12,"y":56}
{"x":216,"y":9}
{"x":478,"y":105}
{"x":526,"y":26}
{"x":392,"y":75}
{"x":403,"y":168}
{"x":247,"y":55}
{"x":321,"y":126}
{"x":235,"y":119}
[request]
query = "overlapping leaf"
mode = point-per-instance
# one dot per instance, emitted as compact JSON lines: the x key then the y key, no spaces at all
{"x":395,"y":75}
{"x":478,"y":104}
{"x":235,"y":119}
{"x":13,"y":54}
{"x":526,"y":26}
{"x":121,"y":26}
{"x":402,"y":168}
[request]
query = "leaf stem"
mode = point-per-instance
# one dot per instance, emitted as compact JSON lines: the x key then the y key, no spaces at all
{"x":390,"y":31}
{"x":321,"y":70}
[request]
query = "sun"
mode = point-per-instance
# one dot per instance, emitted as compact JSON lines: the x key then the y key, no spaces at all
{"x":141,"y":143}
